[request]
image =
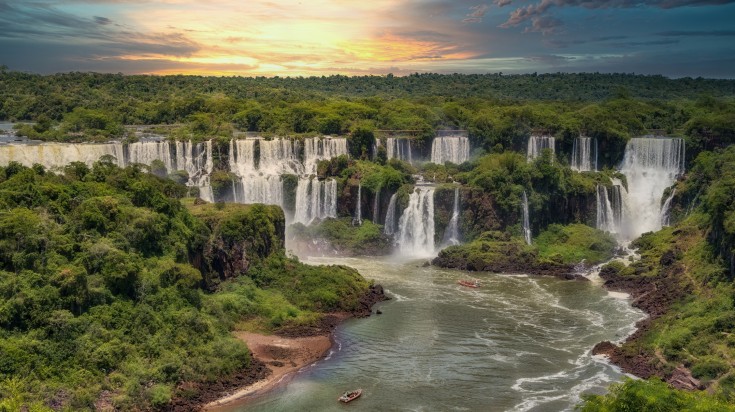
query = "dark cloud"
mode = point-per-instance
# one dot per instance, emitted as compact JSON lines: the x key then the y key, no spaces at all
{"x":536,"y":10}
{"x":697,"y":33}
{"x":44,"y":23}
{"x":102,"y":20}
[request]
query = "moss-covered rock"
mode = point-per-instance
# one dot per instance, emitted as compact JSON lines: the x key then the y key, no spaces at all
{"x":339,"y":237}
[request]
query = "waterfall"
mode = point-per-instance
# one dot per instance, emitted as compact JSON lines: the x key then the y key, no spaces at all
{"x":610,"y":205}
{"x":650,"y":165}
{"x":357,"y":220}
{"x":666,"y":209}
{"x":390,"y":216}
{"x":526,"y":225}
{"x":315,"y":199}
{"x":455,"y":149}
{"x":376,"y":206}
{"x":316,"y":149}
{"x":451,"y":235}
{"x":536,"y":144}
{"x":584,"y":154}
{"x":416,"y":225}
{"x":400,"y":149}
{"x":193,"y":158}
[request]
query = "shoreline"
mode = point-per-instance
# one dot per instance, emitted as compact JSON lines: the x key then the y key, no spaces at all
{"x":284,"y":356}
{"x":277,"y":358}
{"x":654,"y":296}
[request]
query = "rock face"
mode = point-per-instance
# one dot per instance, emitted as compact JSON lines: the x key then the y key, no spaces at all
{"x":238,"y":236}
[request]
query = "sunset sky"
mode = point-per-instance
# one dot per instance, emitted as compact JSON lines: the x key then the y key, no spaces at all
{"x":321,"y":37}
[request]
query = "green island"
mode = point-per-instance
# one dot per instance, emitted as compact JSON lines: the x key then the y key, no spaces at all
{"x":120,"y":287}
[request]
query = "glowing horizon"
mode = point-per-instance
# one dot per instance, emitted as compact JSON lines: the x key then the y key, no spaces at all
{"x":323,"y":37}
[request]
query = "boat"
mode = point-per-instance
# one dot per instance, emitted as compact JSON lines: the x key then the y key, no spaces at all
{"x":350,"y":396}
{"x":469,"y":283}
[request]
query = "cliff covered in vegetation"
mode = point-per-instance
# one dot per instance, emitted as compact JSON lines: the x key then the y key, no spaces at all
{"x":115,"y":293}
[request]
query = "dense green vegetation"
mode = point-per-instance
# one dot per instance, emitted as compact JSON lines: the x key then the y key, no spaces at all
{"x":553,"y":252}
{"x":105,"y":280}
{"x":498,"y":111}
{"x":653,"y":395}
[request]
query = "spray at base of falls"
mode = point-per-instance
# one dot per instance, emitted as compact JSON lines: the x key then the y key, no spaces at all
{"x":416,"y":225}
{"x":455,"y":149}
{"x":451,"y":234}
{"x":526,"y":220}
{"x":536,"y":145}
{"x":584,"y":154}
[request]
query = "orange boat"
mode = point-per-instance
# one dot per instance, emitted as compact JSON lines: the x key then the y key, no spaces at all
{"x":469,"y":283}
{"x":350,"y":396}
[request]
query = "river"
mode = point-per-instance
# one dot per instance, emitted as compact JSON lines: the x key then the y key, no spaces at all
{"x":519,"y":343}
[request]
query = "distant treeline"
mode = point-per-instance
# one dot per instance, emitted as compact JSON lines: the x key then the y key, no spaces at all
{"x":499,"y":111}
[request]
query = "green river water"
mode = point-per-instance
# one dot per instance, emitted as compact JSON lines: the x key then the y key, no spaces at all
{"x":519,"y":343}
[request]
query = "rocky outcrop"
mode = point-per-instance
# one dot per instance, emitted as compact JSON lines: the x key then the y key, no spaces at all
{"x":238,"y":236}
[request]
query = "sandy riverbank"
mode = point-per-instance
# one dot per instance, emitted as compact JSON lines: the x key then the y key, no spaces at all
{"x":284,"y":356}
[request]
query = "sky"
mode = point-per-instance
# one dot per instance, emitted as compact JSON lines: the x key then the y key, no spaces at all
{"x":674,"y":38}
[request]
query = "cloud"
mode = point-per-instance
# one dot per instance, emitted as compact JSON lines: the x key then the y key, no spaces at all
{"x":544,"y":25}
{"x":44,"y":23}
{"x":478,"y":12}
{"x":102,"y":20}
{"x":501,"y":3}
{"x":536,"y":10}
{"x":697,"y":33}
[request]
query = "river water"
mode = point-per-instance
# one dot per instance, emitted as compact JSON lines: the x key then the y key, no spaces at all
{"x":519,"y":343}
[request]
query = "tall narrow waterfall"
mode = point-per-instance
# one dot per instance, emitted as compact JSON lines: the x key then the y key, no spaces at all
{"x":315,"y":199}
{"x":416,"y":226}
{"x":666,"y":209}
{"x":526,"y":220}
{"x":390,"y":226}
{"x":536,"y":144}
{"x":650,"y":166}
{"x":610,"y":206}
{"x":451,"y":234}
{"x":376,"y":206}
{"x":584,"y":154}
{"x":455,"y":149}
{"x":400,"y":149}
{"x":357,"y":219}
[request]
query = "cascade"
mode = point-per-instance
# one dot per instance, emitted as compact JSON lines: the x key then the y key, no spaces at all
{"x":390,"y":216}
{"x":666,"y":209}
{"x":416,"y":225}
{"x":584,"y":154}
{"x":451,"y":235}
{"x":194,"y":158}
{"x":526,"y":220}
{"x":650,"y":165}
{"x":357,"y":220}
{"x":455,"y":149}
{"x":399,"y":149}
{"x":315,"y":199}
{"x":316,"y":149}
{"x":536,"y":144}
